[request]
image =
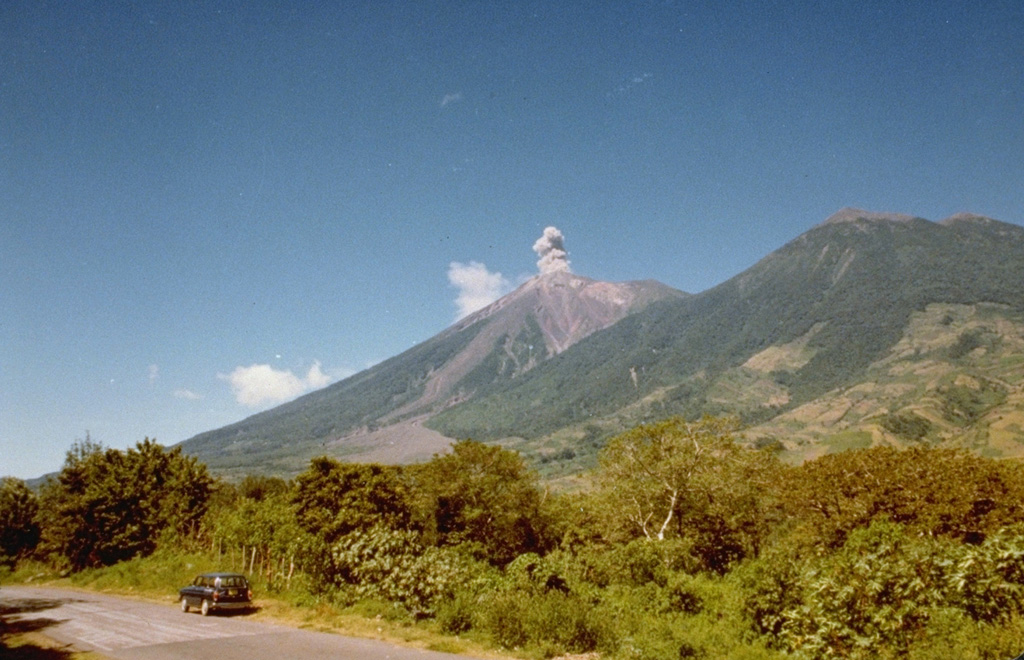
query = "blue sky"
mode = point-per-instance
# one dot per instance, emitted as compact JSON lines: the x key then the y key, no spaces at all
{"x":211,"y":207}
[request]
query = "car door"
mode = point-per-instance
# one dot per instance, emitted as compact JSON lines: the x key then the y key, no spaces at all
{"x":197,"y":591}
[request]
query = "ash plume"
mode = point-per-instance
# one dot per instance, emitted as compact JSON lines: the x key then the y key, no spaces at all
{"x":551,"y":249}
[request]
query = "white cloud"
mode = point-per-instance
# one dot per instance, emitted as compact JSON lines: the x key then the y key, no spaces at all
{"x":316,"y":378}
{"x":154,"y":373}
{"x":188,"y":395}
{"x":451,"y":98}
{"x":478,"y":287}
{"x":633,"y":81}
{"x":260,"y":384}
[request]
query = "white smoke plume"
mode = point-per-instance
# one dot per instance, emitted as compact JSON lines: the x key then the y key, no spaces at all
{"x":551,"y":249}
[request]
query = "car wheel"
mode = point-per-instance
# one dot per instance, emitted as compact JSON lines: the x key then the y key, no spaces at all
{"x":184,"y":604}
{"x":204,"y":609}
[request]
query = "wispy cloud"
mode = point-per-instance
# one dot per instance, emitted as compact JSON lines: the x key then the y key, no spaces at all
{"x":154,"y":373}
{"x":261,"y":384}
{"x":477,"y":286}
{"x":188,"y":395}
{"x":632,"y":82}
{"x":448,"y":99}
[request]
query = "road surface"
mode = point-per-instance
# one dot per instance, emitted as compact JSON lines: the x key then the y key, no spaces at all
{"x":132,"y":630}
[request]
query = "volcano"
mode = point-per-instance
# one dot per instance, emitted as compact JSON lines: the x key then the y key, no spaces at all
{"x":379,"y":414}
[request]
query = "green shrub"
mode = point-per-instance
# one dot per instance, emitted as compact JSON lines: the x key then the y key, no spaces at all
{"x":682,"y":595}
{"x":393,"y":565}
{"x":639,"y":562}
{"x":953,"y":634}
{"x":457,"y":615}
{"x":872,"y":596}
{"x":886,"y":593}
{"x":552,"y":622}
{"x":657,"y":640}
{"x":989,"y":579}
{"x":19,"y":531}
{"x":109,"y":505}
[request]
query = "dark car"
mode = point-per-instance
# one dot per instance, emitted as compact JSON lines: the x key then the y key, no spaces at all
{"x":216,"y":591}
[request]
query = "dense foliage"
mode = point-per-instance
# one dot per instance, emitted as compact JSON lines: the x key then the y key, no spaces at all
{"x":481,"y":497}
{"x":107,"y":505}
{"x":687,"y":543}
{"x":333,"y":499}
{"x":19,"y":531}
{"x":931,"y":492}
{"x":689,"y":480}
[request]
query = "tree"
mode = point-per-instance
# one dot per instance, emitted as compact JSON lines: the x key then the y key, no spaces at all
{"x":108,"y":505}
{"x":690,"y":480}
{"x":483,"y":497}
{"x":258,"y":487}
{"x":264,"y":525}
{"x":931,"y":491}
{"x":19,"y":532}
{"x":332,"y":498}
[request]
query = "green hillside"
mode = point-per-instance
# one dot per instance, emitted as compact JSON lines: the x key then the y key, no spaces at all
{"x":844,"y":291}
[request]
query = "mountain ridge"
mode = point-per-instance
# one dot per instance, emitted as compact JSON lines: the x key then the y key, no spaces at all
{"x":819,"y":311}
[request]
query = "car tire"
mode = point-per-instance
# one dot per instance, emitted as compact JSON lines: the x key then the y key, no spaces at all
{"x":204,"y":609}
{"x":184,"y":605}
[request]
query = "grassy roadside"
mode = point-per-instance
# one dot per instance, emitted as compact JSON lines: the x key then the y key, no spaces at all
{"x":157,"y":579}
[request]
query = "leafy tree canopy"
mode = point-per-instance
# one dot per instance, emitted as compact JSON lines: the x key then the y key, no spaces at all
{"x":332,"y":498}
{"x":931,"y":491}
{"x":19,"y":532}
{"x":691,"y":480}
{"x":107,"y":505}
{"x":483,"y":496}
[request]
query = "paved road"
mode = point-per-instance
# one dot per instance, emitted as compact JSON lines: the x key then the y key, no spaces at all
{"x":133,"y":630}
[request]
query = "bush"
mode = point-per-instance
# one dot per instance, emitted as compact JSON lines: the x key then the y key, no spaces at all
{"x":106,"y":505}
{"x":393,"y":565}
{"x":639,"y":562}
{"x":886,"y":592}
{"x":457,"y":615}
{"x":19,"y":532}
{"x":952,"y":634}
{"x":989,"y":579}
{"x":551,"y":622}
